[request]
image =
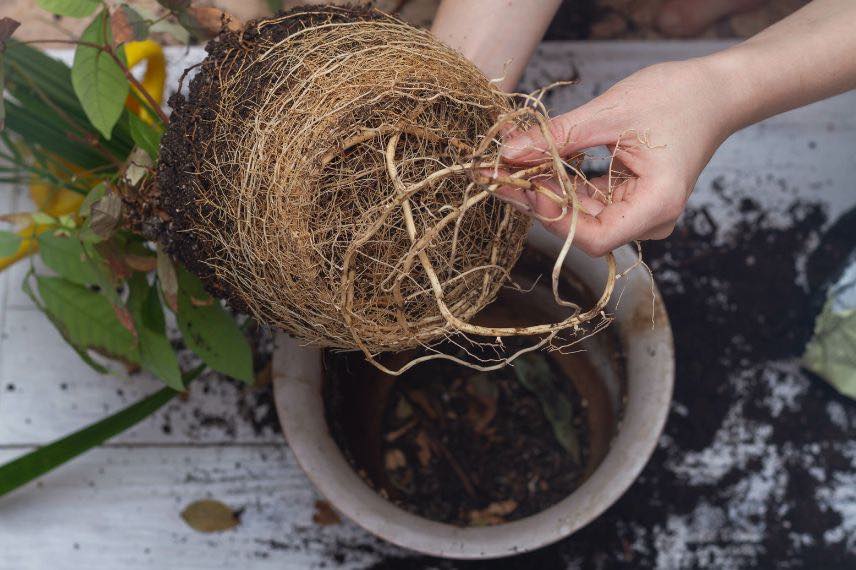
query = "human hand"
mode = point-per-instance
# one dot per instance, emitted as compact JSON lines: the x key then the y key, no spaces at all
{"x":662,"y":125}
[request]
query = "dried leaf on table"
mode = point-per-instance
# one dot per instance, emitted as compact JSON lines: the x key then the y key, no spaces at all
{"x":209,"y":515}
{"x":324,"y":514}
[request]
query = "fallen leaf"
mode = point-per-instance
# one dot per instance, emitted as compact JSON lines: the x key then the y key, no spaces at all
{"x":395,"y":434}
{"x":324,"y":514}
{"x":403,"y":409}
{"x":420,"y":399}
{"x":494,"y":513}
{"x":485,"y":393}
{"x":424,"y":452}
{"x":209,"y":515}
{"x":394,"y":459}
{"x":143,"y":263}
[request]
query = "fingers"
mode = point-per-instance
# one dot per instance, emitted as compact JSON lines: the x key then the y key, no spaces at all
{"x":581,"y":128}
{"x":638,"y":211}
{"x":684,"y":18}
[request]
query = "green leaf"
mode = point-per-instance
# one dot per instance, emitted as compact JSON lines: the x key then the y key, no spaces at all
{"x":274,"y":5}
{"x":86,"y":318}
{"x":534,"y":373}
{"x":831,"y":353}
{"x":145,"y":136}
{"x":68,"y":258}
{"x":210,"y":331}
{"x":84,"y":356}
{"x":99,"y":82}
{"x":9,"y":243}
{"x":156,"y":353}
{"x":22,"y":470}
{"x":72,"y":8}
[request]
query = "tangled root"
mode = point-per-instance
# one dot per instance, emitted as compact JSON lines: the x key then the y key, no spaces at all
{"x":331,"y":173}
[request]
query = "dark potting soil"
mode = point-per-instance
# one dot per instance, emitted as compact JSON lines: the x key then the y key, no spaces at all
{"x":473,"y":448}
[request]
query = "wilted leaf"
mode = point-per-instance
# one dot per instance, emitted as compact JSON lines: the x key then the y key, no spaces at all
{"x":106,"y":214}
{"x":534,"y":373}
{"x":138,"y":164}
{"x":72,"y":8}
{"x":205,"y":22}
{"x":167,"y":279}
{"x":7,"y":28}
{"x":211,"y":332}
{"x":9,"y":243}
{"x":98,"y":81}
{"x":144,"y":135}
{"x":93,"y":196}
{"x":324,"y":514}
{"x":156,"y":353}
{"x":144,"y":263}
{"x":87,"y":319}
{"x":67,"y":257}
{"x":209,"y":515}
{"x":394,"y":459}
{"x":125,"y":319}
{"x":127,"y":25}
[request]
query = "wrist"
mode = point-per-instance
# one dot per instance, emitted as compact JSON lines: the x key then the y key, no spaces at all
{"x":734,"y":94}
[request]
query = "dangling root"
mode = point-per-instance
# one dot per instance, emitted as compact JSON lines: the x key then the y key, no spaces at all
{"x":332,"y":174}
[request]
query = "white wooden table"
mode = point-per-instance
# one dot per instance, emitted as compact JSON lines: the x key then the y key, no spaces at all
{"x":118,"y":506}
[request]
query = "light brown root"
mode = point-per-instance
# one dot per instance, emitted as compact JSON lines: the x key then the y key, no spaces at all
{"x":342,"y":187}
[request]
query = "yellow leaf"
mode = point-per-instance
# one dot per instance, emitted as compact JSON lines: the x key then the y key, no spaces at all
{"x":209,"y":515}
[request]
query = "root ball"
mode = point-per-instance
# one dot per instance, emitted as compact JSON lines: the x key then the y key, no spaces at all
{"x":317,"y":177}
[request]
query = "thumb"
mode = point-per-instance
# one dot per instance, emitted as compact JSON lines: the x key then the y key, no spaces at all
{"x":582,"y":128}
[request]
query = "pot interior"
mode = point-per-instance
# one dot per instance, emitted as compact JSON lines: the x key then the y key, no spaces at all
{"x":360,"y":402}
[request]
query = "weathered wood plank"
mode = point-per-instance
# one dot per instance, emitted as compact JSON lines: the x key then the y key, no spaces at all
{"x":119,"y":507}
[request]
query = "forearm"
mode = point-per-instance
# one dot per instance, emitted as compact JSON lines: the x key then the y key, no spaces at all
{"x":809,"y":56}
{"x":499,"y":36}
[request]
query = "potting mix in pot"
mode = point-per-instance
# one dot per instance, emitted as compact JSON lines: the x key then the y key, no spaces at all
{"x":466,"y":447}
{"x":330,"y":172}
